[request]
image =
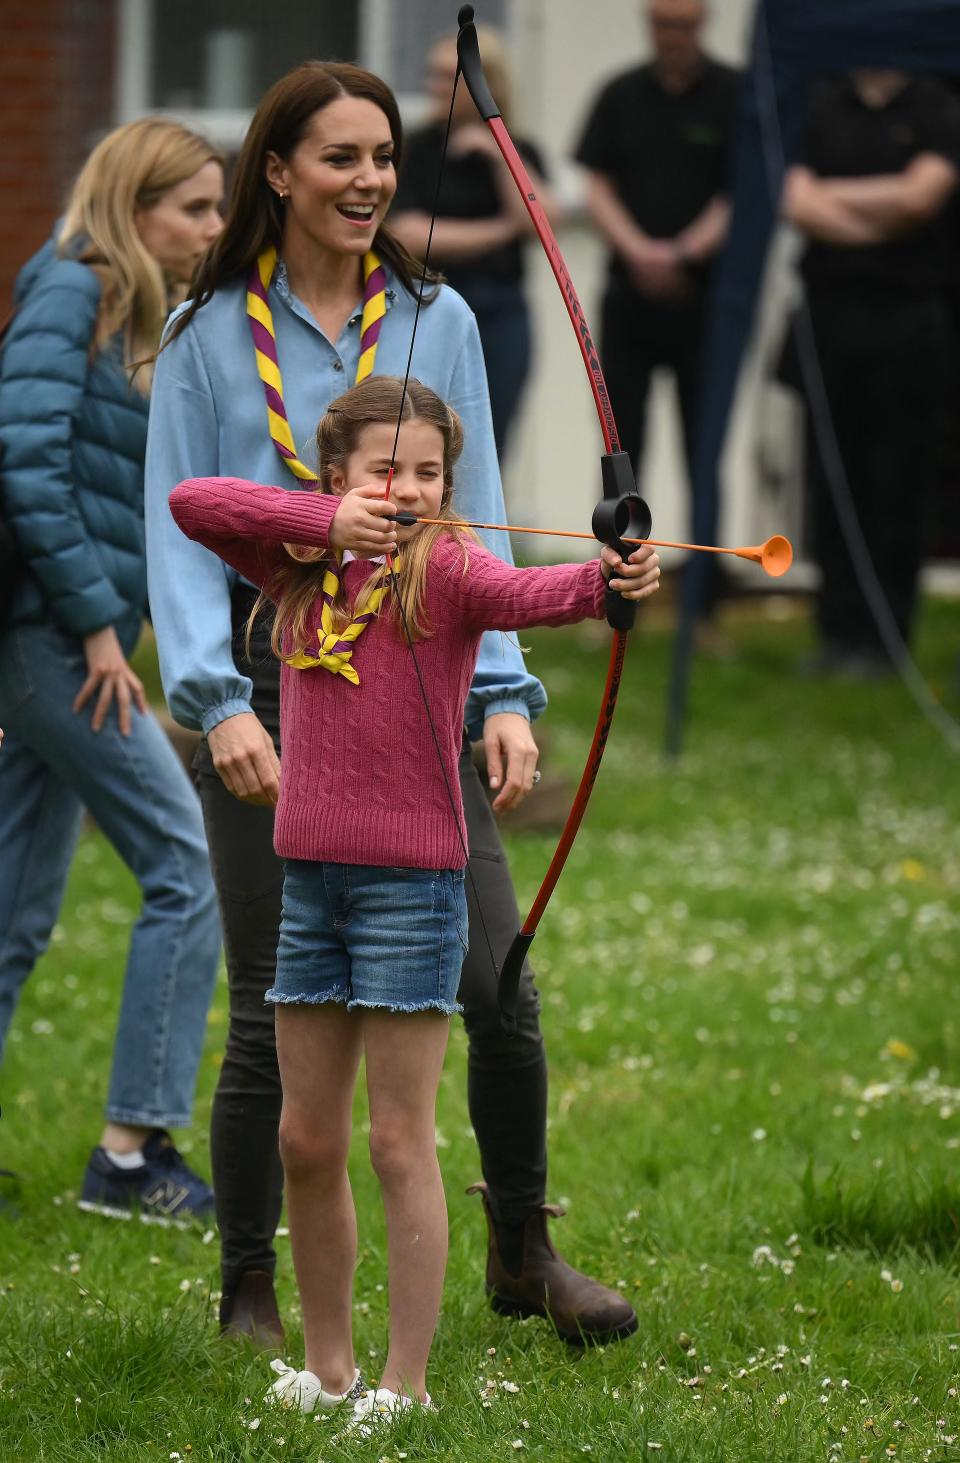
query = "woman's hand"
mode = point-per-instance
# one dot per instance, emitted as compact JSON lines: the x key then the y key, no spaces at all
{"x":361,"y":525}
{"x":512,"y":757}
{"x":245,"y":760}
{"x":637,"y":577}
{"x":109,"y":674}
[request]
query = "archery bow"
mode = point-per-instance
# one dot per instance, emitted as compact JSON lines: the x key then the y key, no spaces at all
{"x":620,"y":514}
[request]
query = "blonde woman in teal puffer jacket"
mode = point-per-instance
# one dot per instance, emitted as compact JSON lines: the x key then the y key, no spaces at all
{"x":73,"y":425}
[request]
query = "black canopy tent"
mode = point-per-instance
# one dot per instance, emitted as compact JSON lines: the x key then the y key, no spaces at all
{"x":794,"y":42}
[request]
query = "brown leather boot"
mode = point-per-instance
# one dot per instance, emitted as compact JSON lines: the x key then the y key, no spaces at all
{"x":251,"y":1313}
{"x":582,"y":1311}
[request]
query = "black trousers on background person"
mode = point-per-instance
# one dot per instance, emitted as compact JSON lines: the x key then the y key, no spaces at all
{"x":638,"y":336}
{"x":503,"y":320}
{"x":507,"y":1076}
{"x":885,"y":366}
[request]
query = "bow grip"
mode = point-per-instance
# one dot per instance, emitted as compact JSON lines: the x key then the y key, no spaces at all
{"x":471,"y":67}
{"x":621,"y":513}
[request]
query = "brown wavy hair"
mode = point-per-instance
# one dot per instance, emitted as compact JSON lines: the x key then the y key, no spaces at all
{"x":296,"y":587}
{"x":254,"y":219}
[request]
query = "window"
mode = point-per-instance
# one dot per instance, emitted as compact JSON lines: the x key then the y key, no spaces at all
{"x":223,"y":55}
{"x":209,"y":62}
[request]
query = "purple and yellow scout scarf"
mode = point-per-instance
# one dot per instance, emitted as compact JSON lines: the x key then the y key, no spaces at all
{"x":335,"y":648}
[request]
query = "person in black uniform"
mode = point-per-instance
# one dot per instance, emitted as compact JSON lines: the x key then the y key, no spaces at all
{"x":656,"y":146}
{"x":880,"y":163}
{"x":481,"y":220}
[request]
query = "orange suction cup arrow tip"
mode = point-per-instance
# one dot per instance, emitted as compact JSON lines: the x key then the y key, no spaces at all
{"x":774,"y":557}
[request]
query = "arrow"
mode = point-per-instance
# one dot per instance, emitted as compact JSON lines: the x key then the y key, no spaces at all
{"x":774,"y":556}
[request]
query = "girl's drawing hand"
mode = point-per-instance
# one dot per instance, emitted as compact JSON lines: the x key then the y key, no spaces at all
{"x":360,"y":525}
{"x":634,"y":578}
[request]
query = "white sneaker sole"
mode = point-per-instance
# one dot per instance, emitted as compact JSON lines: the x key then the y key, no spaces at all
{"x":162,"y":1221}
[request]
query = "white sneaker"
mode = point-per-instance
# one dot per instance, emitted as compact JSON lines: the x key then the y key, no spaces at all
{"x":304,"y":1390}
{"x":381,"y":1407}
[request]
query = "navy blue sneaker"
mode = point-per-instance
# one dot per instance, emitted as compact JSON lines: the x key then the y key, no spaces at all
{"x":162,"y":1190}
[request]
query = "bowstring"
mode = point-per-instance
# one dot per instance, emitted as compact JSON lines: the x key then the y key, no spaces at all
{"x":390,"y":569}
{"x":423,"y":274}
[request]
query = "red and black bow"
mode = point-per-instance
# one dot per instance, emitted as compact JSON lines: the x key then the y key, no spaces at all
{"x":620,"y":514}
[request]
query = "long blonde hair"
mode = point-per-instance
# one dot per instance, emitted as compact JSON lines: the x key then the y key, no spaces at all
{"x":297,"y":586}
{"x":129,"y":169}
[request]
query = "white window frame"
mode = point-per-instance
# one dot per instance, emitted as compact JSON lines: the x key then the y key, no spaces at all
{"x":227,"y":128}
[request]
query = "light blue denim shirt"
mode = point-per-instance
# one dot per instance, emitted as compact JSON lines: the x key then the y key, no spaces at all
{"x":208,"y":418}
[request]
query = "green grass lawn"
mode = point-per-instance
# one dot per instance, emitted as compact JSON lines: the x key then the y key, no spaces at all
{"x":749,"y":976}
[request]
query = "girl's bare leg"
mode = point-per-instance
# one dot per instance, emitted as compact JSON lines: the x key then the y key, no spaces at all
{"x":404,"y":1057}
{"x":319,"y":1048}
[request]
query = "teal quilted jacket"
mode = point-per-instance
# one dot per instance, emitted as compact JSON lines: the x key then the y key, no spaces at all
{"x":73,"y":435}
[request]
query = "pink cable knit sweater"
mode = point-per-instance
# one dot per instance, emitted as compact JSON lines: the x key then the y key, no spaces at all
{"x":361,"y":782}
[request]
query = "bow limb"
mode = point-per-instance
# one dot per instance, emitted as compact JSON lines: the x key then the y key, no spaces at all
{"x":619,"y":511}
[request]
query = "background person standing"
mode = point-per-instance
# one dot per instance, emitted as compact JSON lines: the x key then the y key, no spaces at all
{"x":656,"y":147}
{"x":481,"y":222}
{"x":881,"y":161}
{"x":73,"y":432}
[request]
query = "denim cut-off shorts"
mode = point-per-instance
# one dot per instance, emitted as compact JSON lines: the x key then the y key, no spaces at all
{"x":366,"y":936}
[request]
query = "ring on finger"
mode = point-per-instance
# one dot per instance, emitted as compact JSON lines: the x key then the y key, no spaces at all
{"x":536,"y":778}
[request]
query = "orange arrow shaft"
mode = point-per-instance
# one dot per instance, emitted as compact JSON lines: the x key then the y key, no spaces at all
{"x":659,"y":543}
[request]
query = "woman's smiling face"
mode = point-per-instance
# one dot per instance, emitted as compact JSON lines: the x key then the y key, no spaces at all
{"x":340,"y":179}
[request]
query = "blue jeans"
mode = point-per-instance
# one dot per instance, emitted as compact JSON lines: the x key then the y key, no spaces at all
{"x":364,"y":935}
{"x":52,"y":766}
{"x":503,"y":320}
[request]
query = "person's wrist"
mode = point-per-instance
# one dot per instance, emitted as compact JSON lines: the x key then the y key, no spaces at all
{"x":223,"y":711}
{"x":641,"y":248}
{"x":510,"y":224}
{"x":333,"y":527}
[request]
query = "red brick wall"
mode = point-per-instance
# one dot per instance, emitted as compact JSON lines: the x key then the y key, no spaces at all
{"x":57,"y":61}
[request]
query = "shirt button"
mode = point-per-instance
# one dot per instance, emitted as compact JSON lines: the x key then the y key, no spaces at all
{"x":338,"y":365}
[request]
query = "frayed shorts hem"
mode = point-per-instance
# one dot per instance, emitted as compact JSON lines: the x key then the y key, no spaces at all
{"x":341,"y":998}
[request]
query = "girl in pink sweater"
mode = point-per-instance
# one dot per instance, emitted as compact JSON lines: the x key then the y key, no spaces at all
{"x":369,"y":821}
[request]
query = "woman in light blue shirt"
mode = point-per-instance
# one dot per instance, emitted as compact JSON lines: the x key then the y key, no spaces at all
{"x":314,"y":180}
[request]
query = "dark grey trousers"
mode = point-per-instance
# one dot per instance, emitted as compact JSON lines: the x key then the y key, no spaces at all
{"x":507,"y":1077}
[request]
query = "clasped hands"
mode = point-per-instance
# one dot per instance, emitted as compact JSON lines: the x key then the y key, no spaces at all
{"x":657,"y":269}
